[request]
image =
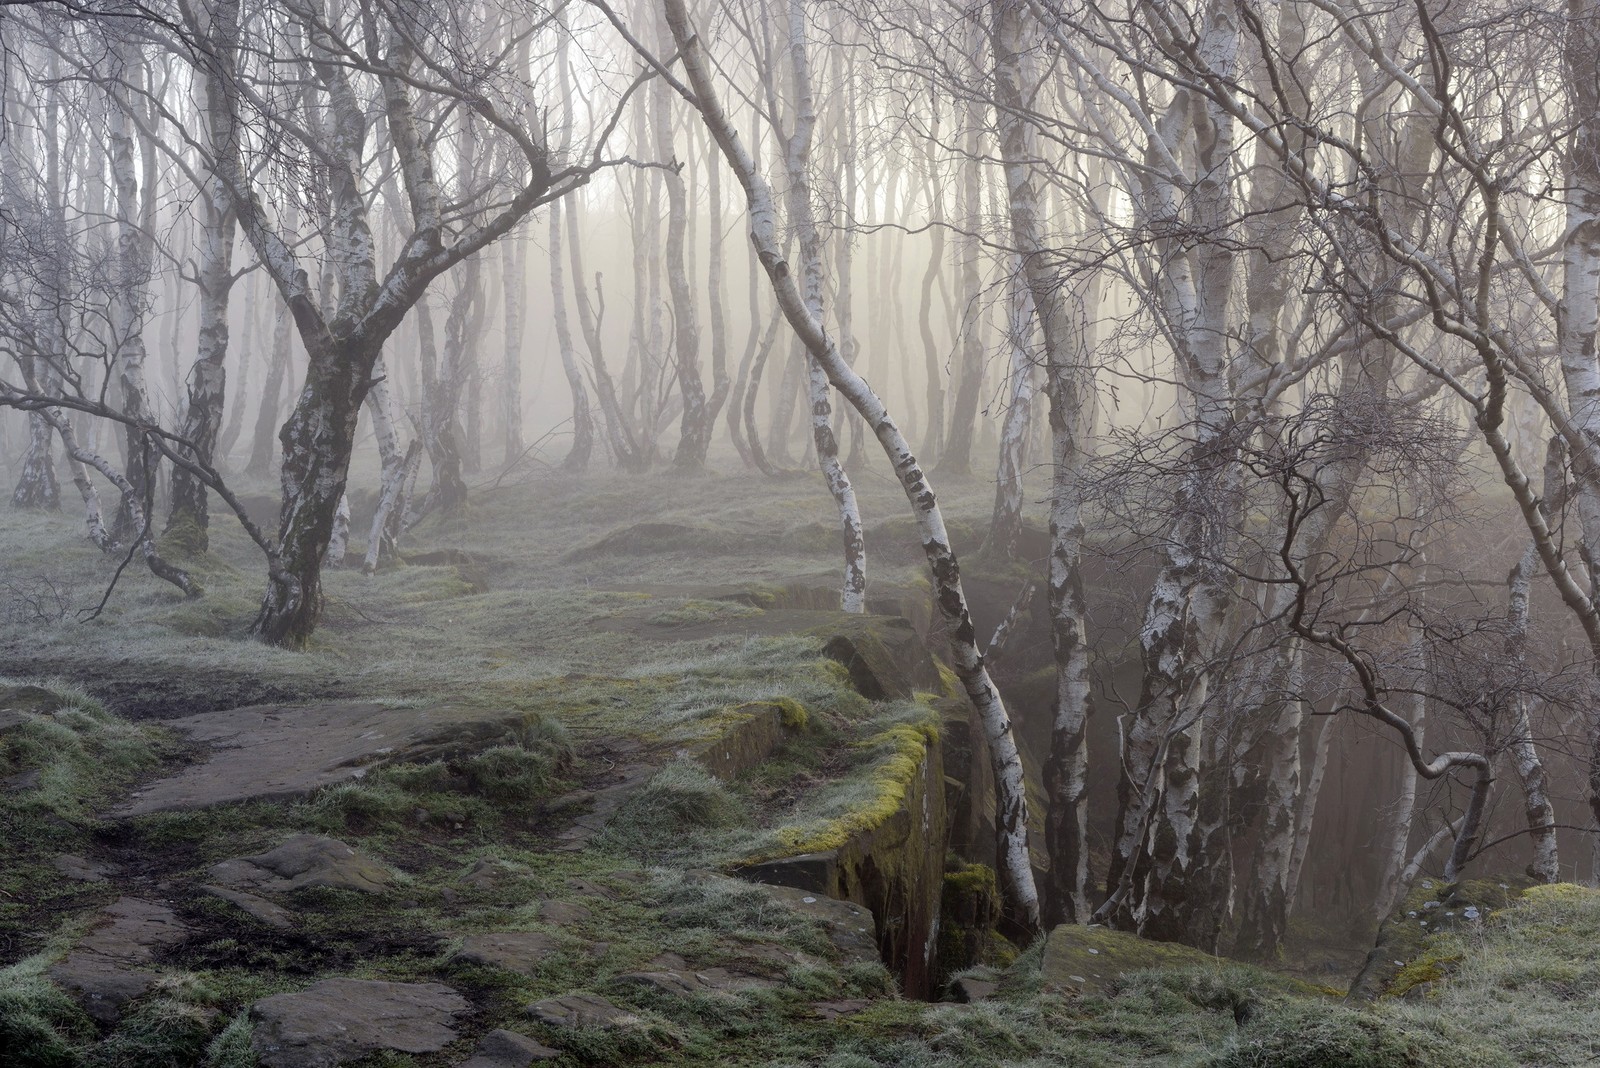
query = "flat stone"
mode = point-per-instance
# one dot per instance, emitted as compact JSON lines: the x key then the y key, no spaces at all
{"x":302,"y":861}
{"x":833,"y":1010}
{"x":258,"y":907}
{"x":507,"y":1049}
{"x":340,"y":1020}
{"x":22,"y":780}
{"x":772,"y":958}
{"x":669,"y":973}
{"x":488,"y":873}
{"x":515,"y":951}
{"x":1094,"y":958}
{"x":81,"y":870}
{"x":280,"y":752}
{"x":670,"y":982}
{"x":850,"y":927}
{"x":581,"y":1010}
{"x":109,"y":967}
{"x":562,"y":913}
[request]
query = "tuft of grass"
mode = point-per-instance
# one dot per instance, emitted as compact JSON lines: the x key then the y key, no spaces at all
{"x":678,"y":803}
{"x":40,"y":1027}
{"x":231,"y":1047}
{"x":159,"y":1033}
{"x":1308,"y":1035}
{"x":1526,"y":979}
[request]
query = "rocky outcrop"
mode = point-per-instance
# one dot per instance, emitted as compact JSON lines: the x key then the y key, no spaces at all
{"x":1080,"y":959}
{"x":889,"y":858}
{"x":1430,"y":907}
{"x":886,"y":658}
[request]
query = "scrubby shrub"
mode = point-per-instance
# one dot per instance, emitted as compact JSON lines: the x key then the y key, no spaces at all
{"x":681,"y":798}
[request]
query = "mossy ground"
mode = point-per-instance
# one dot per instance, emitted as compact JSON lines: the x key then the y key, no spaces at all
{"x":612,"y":646}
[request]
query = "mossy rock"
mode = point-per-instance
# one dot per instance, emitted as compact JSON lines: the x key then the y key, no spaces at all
{"x":1094,"y":959}
{"x":1398,"y":963}
{"x":886,"y":854}
{"x":749,"y":734}
{"x":968,"y":915}
{"x":17,"y":702}
{"x":884,"y":655}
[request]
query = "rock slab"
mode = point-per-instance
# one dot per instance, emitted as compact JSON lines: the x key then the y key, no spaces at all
{"x":515,"y":951}
{"x":279,"y":752}
{"x":340,"y":1020}
{"x":582,"y":1010}
{"x":259,"y":907}
{"x":108,"y":968}
{"x":507,"y":1049}
{"x":304,"y":860}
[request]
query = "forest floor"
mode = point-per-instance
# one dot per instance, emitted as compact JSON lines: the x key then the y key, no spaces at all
{"x":475,"y":822}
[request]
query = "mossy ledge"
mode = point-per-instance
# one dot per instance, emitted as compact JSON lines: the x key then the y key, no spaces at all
{"x":886,"y":853}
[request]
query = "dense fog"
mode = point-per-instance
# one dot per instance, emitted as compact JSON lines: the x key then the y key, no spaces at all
{"x":1268,"y":330}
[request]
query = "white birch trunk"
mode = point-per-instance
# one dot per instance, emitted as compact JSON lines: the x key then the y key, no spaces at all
{"x":797,"y":163}
{"x":1069,"y":385}
{"x":1015,"y":866}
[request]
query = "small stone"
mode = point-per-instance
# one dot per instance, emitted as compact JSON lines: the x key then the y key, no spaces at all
{"x":562,"y":913}
{"x":833,"y":1010}
{"x":80,"y":870}
{"x":259,"y":907}
{"x":581,"y":1010}
{"x":1078,"y":978}
{"x":515,"y":951}
{"x":22,"y":780}
{"x":507,"y":1049}
{"x":487,"y":873}
{"x":302,"y":861}
{"x":679,"y":983}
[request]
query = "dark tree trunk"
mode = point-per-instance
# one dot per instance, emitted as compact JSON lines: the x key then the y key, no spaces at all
{"x":317,"y":442}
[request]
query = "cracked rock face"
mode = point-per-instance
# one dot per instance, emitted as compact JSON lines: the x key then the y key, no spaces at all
{"x":341,"y":1020}
{"x":302,"y":861}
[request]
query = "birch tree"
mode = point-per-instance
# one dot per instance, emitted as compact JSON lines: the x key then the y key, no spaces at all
{"x":1016,"y":869}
